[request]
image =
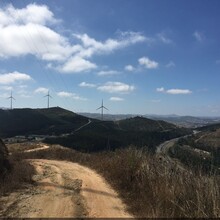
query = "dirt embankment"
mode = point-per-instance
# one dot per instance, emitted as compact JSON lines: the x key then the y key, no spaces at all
{"x":64,"y":189}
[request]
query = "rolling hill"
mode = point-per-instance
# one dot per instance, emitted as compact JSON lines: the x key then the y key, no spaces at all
{"x":79,"y":132}
{"x":109,"y":135}
{"x":38,"y":121}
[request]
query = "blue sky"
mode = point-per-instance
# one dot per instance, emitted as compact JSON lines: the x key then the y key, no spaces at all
{"x":140,"y":57}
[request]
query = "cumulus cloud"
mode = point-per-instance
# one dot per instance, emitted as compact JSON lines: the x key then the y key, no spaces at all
{"x":77,"y":64}
{"x":32,"y":13}
{"x":147,"y":63}
{"x":174,"y":91}
{"x":41,"y":90}
{"x":9,"y":78}
{"x":199,"y":36}
{"x":31,"y":28}
{"x":129,"y":68}
{"x":108,"y":73}
{"x":27,"y":27}
{"x":116,"y":99}
{"x":89,"y":85}
{"x":74,"y":96}
{"x":116,"y":87}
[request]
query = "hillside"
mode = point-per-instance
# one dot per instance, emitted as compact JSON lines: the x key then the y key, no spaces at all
{"x":201,"y":149}
{"x":38,"y":121}
{"x":144,"y":124}
{"x":109,"y":135}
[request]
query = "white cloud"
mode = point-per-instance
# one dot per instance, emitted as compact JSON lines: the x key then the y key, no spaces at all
{"x":79,"y":61}
{"x":36,"y":40}
{"x":170,"y":64}
{"x":108,"y":73}
{"x":116,"y":99}
{"x":31,"y":28}
{"x":74,"y":96}
{"x":178,"y":91}
{"x":41,"y":90}
{"x":129,"y":68}
{"x":160,"y":89}
{"x":116,"y":87}
{"x":174,"y":91}
{"x":9,"y":78}
{"x":199,"y":36}
{"x":27,"y":27}
{"x":92,"y":46}
{"x":162,"y":37}
{"x":33,"y":13}
{"x":89,"y":85}
{"x":76,"y":65}
{"x":147,"y":63}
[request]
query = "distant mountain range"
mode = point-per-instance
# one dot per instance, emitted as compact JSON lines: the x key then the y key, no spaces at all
{"x":183,"y":121}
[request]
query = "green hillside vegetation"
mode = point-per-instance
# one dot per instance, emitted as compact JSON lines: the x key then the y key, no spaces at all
{"x":109,"y":135}
{"x":38,"y":121}
{"x":200,"y":150}
{"x":144,"y":124}
{"x":212,"y":127}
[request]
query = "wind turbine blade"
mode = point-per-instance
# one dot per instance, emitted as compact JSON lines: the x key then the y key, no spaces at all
{"x":105,"y":107}
{"x":99,"y":108}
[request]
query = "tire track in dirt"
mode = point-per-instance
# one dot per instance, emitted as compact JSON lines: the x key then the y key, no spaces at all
{"x":65,"y":189}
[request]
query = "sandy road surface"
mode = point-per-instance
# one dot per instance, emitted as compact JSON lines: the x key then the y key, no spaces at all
{"x":64,"y":189}
{"x":42,"y":147}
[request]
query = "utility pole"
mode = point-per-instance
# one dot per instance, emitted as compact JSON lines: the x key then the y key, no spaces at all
{"x":102,"y":107}
{"x":48,"y":99}
{"x":12,"y":98}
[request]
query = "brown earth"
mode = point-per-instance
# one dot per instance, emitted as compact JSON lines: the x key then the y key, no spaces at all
{"x":64,"y":189}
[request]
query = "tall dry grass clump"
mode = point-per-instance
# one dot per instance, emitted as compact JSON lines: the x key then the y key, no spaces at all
{"x":147,"y":185}
{"x":153,"y":190}
{"x":18,"y":176}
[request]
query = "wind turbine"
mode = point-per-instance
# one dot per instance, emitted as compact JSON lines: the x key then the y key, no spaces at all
{"x":48,"y":99}
{"x":12,"y":98}
{"x":102,"y":107}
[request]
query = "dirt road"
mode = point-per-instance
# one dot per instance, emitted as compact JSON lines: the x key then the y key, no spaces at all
{"x":64,"y":189}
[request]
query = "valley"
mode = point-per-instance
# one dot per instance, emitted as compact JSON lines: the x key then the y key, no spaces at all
{"x":108,"y":169}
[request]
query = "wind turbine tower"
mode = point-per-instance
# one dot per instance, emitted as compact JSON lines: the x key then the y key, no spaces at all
{"x":12,"y":98}
{"x":102,"y":107}
{"x":48,"y":99}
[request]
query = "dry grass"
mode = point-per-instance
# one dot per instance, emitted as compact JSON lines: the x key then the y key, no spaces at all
{"x":18,"y":176}
{"x":149,"y":188}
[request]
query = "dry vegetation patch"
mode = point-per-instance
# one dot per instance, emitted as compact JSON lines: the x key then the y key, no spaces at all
{"x":146,"y":185}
